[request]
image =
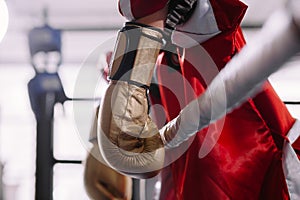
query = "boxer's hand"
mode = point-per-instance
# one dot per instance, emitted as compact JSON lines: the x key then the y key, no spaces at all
{"x":128,"y":138}
{"x":104,"y":183}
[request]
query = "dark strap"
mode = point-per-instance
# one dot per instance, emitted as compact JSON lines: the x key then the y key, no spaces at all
{"x":133,"y":33}
{"x":179,"y":12}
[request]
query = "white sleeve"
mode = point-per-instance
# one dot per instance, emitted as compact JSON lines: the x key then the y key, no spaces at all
{"x":200,"y":27}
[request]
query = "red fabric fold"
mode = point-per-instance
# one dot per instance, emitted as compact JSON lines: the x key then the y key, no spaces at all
{"x":246,"y":161}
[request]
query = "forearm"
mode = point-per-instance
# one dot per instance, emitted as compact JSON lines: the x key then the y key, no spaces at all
{"x":156,"y":19}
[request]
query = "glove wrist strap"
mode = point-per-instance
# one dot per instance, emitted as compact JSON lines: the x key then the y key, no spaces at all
{"x":135,"y":54}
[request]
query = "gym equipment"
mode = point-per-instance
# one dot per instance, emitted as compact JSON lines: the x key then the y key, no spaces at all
{"x":45,"y":90}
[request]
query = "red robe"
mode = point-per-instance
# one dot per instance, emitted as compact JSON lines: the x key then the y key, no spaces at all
{"x":246,"y":161}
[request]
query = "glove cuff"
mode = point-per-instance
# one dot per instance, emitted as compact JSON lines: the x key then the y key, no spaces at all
{"x":135,"y":53}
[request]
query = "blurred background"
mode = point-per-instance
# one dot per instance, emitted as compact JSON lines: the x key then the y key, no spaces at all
{"x":87,"y":32}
